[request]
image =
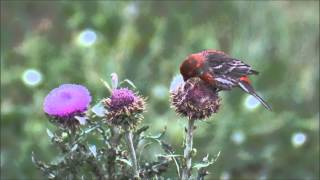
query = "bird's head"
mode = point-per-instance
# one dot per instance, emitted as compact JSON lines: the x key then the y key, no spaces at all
{"x":192,"y":66}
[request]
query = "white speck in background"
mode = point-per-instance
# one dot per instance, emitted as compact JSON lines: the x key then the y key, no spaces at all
{"x":160,"y":92}
{"x":132,"y":10}
{"x":238,"y":137}
{"x":298,"y":139}
{"x":87,"y":37}
{"x":251,"y":102}
{"x":31,"y":77}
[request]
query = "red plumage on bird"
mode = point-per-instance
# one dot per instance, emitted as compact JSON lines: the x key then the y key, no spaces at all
{"x":221,"y":71}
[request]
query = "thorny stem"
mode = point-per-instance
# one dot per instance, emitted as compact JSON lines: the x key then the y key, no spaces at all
{"x":186,"y":170}
{"x":112,"y":152}
{"x":132,"y":152}
{"x":72,"y":139}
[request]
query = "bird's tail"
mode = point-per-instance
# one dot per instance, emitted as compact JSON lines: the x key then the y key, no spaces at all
{"x":245,"y":86}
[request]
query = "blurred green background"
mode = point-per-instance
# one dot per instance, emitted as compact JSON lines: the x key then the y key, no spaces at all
{"x":44,"y":44}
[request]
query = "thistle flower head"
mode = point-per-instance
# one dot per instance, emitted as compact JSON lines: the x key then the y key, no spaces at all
{"x":195,"y":99}
{"x":121,"y":98}
{"x":124,"y":107}
{"x":67,"y":101}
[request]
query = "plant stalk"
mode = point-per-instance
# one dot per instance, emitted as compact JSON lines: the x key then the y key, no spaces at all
{"x":186,"y":171}
{"x":132,"y":152}
{"x":112,"y":152}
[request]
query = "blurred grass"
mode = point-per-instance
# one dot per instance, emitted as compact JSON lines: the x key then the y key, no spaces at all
{"x":145,"y":42}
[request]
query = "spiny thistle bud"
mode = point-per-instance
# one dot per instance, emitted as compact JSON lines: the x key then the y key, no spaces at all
{"x":66,"y":102}
{"x":124,"y":108}
{"x":194,"y":99}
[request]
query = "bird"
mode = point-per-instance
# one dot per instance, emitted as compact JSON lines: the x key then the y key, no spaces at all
{"x":220,"y":71}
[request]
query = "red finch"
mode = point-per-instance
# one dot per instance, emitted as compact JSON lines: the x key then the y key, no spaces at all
{"x":220,"y":71}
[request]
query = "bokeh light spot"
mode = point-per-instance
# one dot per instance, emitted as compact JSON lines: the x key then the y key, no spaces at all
{"x":238,"y":137}
{"x":31,"y":77}
{"x":87,"y":37}
{"x":160,"y":92}
{"x":298,"y":139}
{"x":251,"y":102}
{"x":132,"y":10}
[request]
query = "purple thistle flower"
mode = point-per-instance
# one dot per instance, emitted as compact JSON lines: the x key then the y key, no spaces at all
{"x":124,"y":107}
{"x":121,"y":97}
{"x":67,"y":100}
{"x":195,"y":99}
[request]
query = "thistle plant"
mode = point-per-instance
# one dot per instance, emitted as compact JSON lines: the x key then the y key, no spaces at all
{"x":124,"y":109}
{"x":195,"y":100}
{"x":115,"y":125}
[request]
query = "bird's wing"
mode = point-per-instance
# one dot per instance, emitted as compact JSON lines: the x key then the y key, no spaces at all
{"x":224,"y":82}
{"x":222,"y":64}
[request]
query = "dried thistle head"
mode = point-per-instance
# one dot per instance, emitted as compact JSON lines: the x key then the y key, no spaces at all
{"x":124,"y":108}
{"x":195,"y":99}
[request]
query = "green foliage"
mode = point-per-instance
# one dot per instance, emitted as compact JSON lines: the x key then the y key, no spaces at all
{"x":145,"y":42}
